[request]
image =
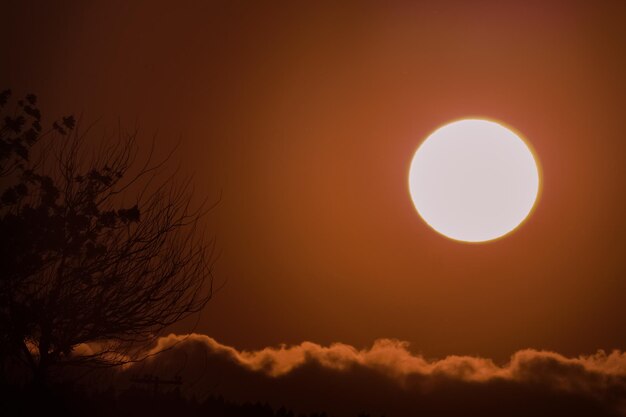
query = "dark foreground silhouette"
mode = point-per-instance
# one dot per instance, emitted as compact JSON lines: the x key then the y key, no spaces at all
{"x":72,"y":400}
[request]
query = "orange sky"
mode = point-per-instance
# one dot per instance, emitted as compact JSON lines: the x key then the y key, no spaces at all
{"x":307,"y":116}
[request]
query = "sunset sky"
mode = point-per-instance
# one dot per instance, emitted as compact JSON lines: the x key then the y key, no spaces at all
{"x":304,"y":116}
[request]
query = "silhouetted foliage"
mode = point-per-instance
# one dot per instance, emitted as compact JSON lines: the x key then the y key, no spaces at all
{"x":73,"y":401}
{"x":80,"y":263}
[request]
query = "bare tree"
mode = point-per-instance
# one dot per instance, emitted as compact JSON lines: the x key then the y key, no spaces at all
{"x":83,"y":268}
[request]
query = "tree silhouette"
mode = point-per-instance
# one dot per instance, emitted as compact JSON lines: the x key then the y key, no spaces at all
{"x":86,"y":274}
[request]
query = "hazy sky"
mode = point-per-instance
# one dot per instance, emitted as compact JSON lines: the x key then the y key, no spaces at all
{"x":306,"y":116}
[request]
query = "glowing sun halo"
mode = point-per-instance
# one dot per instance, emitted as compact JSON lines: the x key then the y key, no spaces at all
{"x":473,"y":180}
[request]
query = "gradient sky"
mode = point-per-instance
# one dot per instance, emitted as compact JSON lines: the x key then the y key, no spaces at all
{"x":306,"y":116}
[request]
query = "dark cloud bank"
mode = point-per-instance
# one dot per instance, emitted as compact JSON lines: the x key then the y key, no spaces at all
{"x":387,"y":379}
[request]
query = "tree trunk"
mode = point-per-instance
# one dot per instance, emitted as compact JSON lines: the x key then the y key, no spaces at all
{"x":40,"y":373}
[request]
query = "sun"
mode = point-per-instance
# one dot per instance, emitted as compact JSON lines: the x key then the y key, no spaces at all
{"x":474,"y":180}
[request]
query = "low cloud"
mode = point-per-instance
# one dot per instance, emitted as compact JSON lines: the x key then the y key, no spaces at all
{"x":388,"y":379}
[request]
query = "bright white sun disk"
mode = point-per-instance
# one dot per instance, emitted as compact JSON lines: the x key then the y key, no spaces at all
{"x":473,"y":180}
